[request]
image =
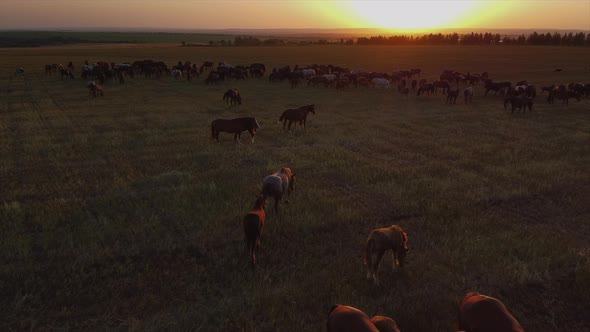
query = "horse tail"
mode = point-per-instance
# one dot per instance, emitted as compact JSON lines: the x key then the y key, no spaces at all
{"x":368,"y":250}
{"x":283,"y":116}
{"x":252,"y":231}
{"x":212,"y":131}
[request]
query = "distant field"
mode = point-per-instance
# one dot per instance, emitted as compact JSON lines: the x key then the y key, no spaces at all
{"x":121,"y":213}
{"x":41,"y":38}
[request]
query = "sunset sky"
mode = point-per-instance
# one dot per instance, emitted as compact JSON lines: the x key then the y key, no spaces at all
{"x":218,"y":14}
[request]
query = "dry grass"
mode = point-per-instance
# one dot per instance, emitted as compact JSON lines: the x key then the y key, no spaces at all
{"x":121,"y":213}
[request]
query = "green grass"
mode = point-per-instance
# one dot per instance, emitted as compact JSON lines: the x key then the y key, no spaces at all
{"x":120,"y":212}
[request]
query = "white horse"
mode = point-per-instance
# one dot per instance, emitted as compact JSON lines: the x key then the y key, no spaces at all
{"x":380,"y":82}
{"x":308,"y":73}
{"x":177,"y":74}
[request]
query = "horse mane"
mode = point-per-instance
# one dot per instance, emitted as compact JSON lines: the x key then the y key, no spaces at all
{"x":468,"y":295}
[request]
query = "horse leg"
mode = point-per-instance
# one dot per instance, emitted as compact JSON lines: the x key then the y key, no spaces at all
{"x":290,"y":123}
{"x":376,"y":267}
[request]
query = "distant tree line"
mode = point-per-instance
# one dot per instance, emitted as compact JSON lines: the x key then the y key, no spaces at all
{"x":557,"y":39}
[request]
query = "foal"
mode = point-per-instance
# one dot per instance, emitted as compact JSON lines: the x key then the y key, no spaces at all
{"x":253,"y":224}
{"x":380,"y":241}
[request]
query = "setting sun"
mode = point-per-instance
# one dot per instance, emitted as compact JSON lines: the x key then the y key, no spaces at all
{"x":412,"y":14}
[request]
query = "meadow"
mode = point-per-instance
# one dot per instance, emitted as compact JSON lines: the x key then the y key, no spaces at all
{"x":121,"y":213}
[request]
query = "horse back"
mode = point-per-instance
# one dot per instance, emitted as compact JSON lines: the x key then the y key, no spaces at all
{"x":486,"y":314}
{"x":272,"y":185}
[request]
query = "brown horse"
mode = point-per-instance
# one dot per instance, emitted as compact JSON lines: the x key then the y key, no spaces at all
{"x":235,"y":126}
{"x":296,"y":114}
{"x":380,"y":241}
{"x":94,"y":89}
{"x":349,"y":319}
{"x":277,"y":184}
{"x":485,"y":314}
{"x":232,"y":96}
{"x":253,"y":224}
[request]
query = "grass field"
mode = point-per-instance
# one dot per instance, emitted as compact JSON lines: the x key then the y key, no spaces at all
{"x":120,"y":213}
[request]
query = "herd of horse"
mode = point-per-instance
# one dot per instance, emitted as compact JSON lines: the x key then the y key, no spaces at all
{"x":477,"y":312}
{"x":519,"y":96}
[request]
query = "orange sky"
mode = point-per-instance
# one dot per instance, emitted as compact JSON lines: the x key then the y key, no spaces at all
{"x":219,"y":14}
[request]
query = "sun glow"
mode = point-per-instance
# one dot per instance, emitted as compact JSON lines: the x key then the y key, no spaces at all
{"x":414,"y":15}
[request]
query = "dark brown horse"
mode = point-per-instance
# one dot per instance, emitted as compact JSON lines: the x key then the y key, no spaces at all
{"x":485,"y":314}
{"x":232,"y":96}
{"x":452,"y":96}
{"x":235,"y":126}
{"x":253,"y":224}
{"x":296,"y":114}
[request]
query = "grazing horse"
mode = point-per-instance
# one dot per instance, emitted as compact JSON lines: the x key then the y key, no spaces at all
{"x":452,"y":96}
{"x":232,"y":96}
{"x":563,"y":95}
{"x":349,"y":319}
{"x":296,"y":114}
{"x":425,"y":87}
{"x":519,"y":102}
{"x":277,"y":184}
{"x":66,"y":73}
{"x":485,"y":314}
{"x":468,"y":94}
{"x":379,"y":242}
{"x":235,"y":126}
{"x":253,"y":224}
{"x":94,"y":89}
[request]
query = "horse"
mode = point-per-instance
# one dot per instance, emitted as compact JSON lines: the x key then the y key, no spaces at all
{"x":349,"y":319}
{"x":519,"y":102}
{"x":563,"y":95}
{"x":48,"y":70}
{"x":296,"y":114}
{"x":277,"y":184}
{"x":485,"y":314}
{"x":380,"y":82}
{"x":380,"y":241}
{"x":177,"y":74}
{"x":94,"y":89}
{"x":253,"y":224}
{"x":19,"y":71}
{"x":452,"y":96}
{"x":232,"y":96}
{"x":444,"y":85}
{"x":468,"y":94}
{"x":425,"y":87}
{"x":385,"y":324}
{"x":405,"y":91}
{"x":235,"y":126}
{"x":492,"y":86}
{"x":66,"y":73}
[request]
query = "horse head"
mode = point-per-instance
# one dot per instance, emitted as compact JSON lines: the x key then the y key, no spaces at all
{"x":255,"y":123}
{"x":260,"y":202}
